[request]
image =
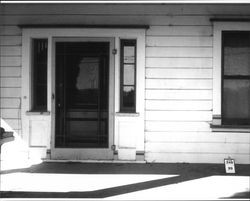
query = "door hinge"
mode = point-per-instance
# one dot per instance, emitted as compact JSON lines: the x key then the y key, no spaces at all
{"x":114,"y":51}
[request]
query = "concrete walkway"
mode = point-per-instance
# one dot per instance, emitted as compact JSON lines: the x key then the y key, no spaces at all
{"x":126,"y":181}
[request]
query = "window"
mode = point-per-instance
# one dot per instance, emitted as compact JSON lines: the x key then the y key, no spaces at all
{"x":39,"y":74}
{"x":235,"y":78}
{"x":128,"y":76}
{"x":231,"y":75}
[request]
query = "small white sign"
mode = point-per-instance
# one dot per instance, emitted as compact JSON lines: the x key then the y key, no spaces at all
{"x":229,"y":165}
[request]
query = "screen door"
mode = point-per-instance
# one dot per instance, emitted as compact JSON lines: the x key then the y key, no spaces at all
{"x":82,"y":96}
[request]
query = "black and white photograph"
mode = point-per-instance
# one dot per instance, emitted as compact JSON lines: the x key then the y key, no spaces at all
{"x":124,"y":100}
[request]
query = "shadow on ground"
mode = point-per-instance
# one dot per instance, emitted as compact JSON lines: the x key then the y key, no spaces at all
{"x":185,"y":172}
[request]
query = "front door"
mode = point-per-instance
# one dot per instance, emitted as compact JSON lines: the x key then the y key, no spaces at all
{"x":82,"y":109}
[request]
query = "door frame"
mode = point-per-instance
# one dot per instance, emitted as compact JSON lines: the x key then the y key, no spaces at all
{"x":85,"y":153}
{"x":35,"y":120}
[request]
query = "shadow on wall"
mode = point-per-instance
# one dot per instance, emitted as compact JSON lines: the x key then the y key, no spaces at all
{"x":15,"y":153}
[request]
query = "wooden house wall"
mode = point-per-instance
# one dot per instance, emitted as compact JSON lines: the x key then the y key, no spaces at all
{"x":179,"y":52}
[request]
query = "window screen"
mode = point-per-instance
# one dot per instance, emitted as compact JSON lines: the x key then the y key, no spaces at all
{"x":236,"y":78}
{"x":128,"y":76}
{"x":39,"y":75}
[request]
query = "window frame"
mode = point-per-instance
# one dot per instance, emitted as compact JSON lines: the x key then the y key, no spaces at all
{"x":218,"y":28}
{"x":231,"y":77}
{"x":132,"y":43}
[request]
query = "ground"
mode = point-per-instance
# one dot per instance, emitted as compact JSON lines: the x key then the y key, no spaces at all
{"x":126,"y":181}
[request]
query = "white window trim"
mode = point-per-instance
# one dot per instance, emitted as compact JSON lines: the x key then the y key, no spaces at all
{"x":218,"y":27}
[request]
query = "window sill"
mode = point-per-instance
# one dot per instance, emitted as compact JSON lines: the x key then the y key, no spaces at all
{"x":230,"y":128}
{"x":38,"y":113}
{"x":124,"y":114}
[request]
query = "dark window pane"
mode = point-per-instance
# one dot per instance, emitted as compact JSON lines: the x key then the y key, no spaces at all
{"x":237,"y":53}
{"x":236,"y":99}
{"x":39,"y":77}
{"x":129,"y":75}
{"x":236,"y":79}
{"x":128,"y":97}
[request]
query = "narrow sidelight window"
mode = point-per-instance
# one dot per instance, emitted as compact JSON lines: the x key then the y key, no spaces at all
{"x":128,"y":76}
{"x":39,"y":74}
{"x":236,"y":78}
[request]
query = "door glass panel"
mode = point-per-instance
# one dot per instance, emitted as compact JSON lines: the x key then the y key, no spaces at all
{"x":82,"y":94}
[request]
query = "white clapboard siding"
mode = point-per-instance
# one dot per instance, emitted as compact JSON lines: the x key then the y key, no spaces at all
{"x":162,"y":126}
{"x":179,"y":115}
{"x":10,"y":40}
{"x":10,"y":92}
{"x":179,"y":63}
{"x":179,"y":94}
{"x":195,"y":157}
{"x":10,"y":71}
{"x":10,"y":31}
{"x":197,"y":147}
{"x":10,"y":50}
{"x":132,"y":9}
{"x":179,"y":52}
{"x":15,"y":124}
{"x":9,"y":103}
{"x":166,"y":41}
{"x":178,"y":73}
{"x":10,"y":113}
{"x":10,"y":82}
{"x":180,"y":31}
{"x":178,"y":84}
{"x":110,"y":19}
{"x":197,"y":137}
{"x":178,"y":105}
{"x":10,"y":61}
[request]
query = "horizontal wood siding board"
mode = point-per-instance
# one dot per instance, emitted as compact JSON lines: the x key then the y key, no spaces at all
{"x":15,"y":124}
{"x":179,"y":62}
{"x":10,"y":31}
{"x":178,"y":73}
{"x":197,"y":148}
{"x":10,"y":92}
{"x":103,"y":19}
{"x":183,"y":31}
{"x":182,"y":126}
{"x":10,"y":41}
{"x":10,"y":82}
{"x":179,"y":94}
{"x":10,"y":61}
{"x":10,"y":113}
{"x":205,"y":52}
{"x":105,"y":26}
{"x":10,"y":103}
{"x":179,"y":115}
{"x":10,"y":71}
{"x":178,"y":84}
{"x":146,"y":9}
{"x":162,"y":105}
{"x":10,"y":50}
{"x":166,"y":41}
{"x":196,"y":137}
{"x":195,"y":157}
